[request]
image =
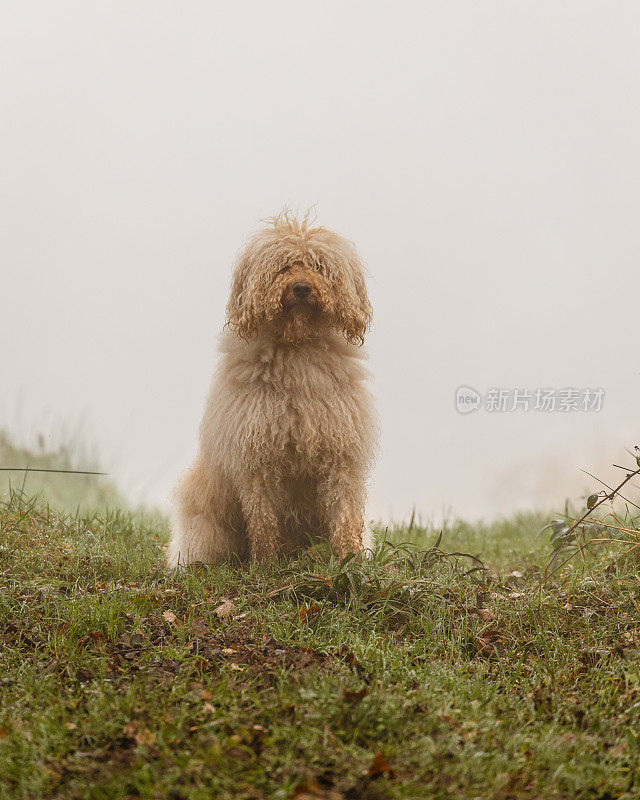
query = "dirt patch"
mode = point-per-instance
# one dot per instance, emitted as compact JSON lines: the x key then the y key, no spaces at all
{"x":237,"y":651}
{"x":233,"y":648}
{"x":142,"y":647}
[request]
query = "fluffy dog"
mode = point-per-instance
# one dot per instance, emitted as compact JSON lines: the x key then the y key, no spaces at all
{"x":289,"y":429}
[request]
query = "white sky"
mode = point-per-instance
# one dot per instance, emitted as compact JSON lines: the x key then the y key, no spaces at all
{"x":482,"y":155}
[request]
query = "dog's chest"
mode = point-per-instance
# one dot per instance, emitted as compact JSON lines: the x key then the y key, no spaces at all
{"x":302,"y":409}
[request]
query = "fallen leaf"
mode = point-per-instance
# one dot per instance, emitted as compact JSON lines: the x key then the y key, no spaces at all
{"x":308,"y":788}
{"x":70,"y":726}
{"x":305,"y":613}
{"x":200,"y":626}
{"x":225,"y":609}
{"x":448,"y":719}
{"x":169,"y":617}
{"x":4,"y":732}
{"x":491,"y":643}
{"x":141,"y":736}
{"x":355,"y":665}
{"x":354,"y":696}
{"x":378,"y":767}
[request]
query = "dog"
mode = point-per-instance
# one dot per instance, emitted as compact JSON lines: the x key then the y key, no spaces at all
{"x":289,"y":431}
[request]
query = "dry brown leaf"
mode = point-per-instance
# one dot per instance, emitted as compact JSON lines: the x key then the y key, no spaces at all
{"x":448,"y":719}
{"x":308,"y":788}
{"x":305,"y":613}
{"x":3,"y":732}
{"x":355,"y":665}
{"x":141,"y":736}
{"x":354,"y":696}
{"x":378,"y":767}
{"x":169,"y":617}
{"x":490,"y":643}
{"x":225,"y":609}
{"x":200,"y":626}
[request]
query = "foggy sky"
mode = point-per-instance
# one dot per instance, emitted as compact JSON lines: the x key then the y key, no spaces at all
{"x":482,"y":155}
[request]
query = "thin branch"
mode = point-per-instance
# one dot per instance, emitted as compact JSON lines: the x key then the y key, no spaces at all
{"x":578,"y":522}
{"x":614,"y":491}
{"x":60,"y":471}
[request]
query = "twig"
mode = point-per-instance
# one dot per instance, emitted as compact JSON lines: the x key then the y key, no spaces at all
{"x":62,"y":471}
{"x":578,"y":522}
{"x":606,"y":486}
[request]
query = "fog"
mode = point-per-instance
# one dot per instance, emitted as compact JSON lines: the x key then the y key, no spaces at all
{"x":483,"y":157}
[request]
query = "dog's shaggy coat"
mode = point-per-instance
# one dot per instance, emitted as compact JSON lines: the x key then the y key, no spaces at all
{"x":288,"y":434}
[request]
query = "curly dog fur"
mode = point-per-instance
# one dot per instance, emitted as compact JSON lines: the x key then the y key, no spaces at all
{"x":288,"y":434}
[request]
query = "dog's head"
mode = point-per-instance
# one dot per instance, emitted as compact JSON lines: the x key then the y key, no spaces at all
{"x":296,"y":281}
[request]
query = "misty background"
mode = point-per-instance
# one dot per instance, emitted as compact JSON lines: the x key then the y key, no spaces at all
{"x":483,"y":157}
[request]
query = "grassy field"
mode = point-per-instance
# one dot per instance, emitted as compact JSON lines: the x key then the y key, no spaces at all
{"x":414,"y":674}
{"x":444,"y":666}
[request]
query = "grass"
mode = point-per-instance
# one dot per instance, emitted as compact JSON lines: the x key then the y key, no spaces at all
{"x":413,"y":674}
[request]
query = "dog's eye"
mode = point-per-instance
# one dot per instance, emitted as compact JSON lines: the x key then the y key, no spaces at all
{"x":284,"y":269}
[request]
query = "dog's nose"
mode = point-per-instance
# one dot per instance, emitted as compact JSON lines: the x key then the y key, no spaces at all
{"x":301,"y":290}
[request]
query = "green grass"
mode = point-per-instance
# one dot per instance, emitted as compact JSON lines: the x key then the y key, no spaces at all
{"x":119,"y":680}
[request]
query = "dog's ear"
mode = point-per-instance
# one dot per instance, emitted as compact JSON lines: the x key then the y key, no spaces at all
{"x":366,"y":312}
{"x":251,"y":302}
{"x":355,"y":313}
{"x":239,"y":308}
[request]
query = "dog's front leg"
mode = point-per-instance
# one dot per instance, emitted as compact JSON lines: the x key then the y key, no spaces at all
{"x":342,"y":494}
{"x":259,"y":503}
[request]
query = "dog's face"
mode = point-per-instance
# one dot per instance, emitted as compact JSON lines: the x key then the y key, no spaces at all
{"x":302,"y":290}
{"x":297,"y":282}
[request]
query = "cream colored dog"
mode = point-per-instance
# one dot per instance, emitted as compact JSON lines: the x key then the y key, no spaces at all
{"x":289,"y":430}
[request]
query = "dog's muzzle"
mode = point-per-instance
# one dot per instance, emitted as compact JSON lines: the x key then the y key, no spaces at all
{"x":301,"y":290}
